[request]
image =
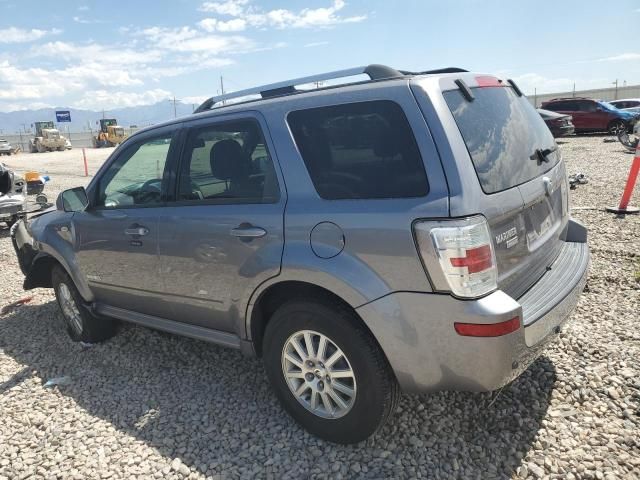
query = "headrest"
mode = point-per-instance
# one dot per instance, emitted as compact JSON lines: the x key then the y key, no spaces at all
{"x":228,"y":160}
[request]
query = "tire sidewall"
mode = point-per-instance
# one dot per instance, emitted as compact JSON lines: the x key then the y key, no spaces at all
{"x":368,"y":410}
{"x":58,"y":277}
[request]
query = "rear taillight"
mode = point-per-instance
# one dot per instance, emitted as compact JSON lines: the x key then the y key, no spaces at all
{"x":458,"y":255}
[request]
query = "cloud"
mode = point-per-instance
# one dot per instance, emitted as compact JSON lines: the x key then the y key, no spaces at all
{"x":229,"y":7}
{"x":315,"y":44}
{"x":83,"y":8}
{"x":623,"y":57}
{"x":187,"y":39}
{"x":213,"y":24}
{"x":99,"y":99}
{"x":279,"y":18}
{"x":196,"y":100}
{"x":530,"y":82}
{"x":111,"y":54}
{"x":19,"y":35}
{"x":86,"y":21}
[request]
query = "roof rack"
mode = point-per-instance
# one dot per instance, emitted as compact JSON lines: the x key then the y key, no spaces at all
{"x":288,"y":87}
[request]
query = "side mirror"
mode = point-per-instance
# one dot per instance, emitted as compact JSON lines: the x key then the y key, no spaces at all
{"x":72,"y":200}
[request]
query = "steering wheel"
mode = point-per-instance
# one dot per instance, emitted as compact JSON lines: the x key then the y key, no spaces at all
{"x":150,"y":191}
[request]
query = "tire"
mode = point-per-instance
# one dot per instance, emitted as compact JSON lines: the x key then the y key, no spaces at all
{"x":374,"y":387}
{"x":82,"y":325}
{"x":41,"y":148}
{"x":616,"y":127}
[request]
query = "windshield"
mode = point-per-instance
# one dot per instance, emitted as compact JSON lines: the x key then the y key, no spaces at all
{"x":608,"y":106}
{"x":504,"y":135}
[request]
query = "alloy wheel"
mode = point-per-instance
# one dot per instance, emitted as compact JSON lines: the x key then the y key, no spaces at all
{"x":69,"y":308}
{"x":319,"y":374}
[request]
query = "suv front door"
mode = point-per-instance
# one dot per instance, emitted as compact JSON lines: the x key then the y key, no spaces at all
{"x":594,"y":117}
{"x":224,"y":234}
{"x":117,"y":236}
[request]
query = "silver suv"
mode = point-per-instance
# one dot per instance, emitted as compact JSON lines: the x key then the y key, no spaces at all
{"x":408,"y":232}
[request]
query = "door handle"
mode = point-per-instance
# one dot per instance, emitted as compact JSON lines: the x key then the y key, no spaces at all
{"x":248,"y":232}
{"x":136,"y":230}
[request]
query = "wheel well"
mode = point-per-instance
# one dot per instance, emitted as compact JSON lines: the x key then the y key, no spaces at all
{"x":615,"y":120}
{"x":276,"y":295}
{"x":39,"y":276}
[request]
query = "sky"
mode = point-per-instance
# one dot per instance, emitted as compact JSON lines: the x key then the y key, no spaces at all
{"x":101,"y":55}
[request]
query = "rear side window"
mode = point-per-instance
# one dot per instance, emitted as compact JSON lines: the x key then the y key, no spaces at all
{"x":502,"y":132}
{"x":227,"y":163}
{"x":359,"y":150}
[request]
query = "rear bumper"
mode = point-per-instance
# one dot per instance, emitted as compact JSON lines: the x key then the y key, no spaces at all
{"x":416,"y":330}
{"x":563,"y":130}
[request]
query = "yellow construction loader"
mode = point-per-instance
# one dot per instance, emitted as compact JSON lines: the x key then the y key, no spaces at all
{"x":109,"y":135}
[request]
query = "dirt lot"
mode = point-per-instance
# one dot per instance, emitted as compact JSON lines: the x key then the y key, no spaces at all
{"x":150,"y":405}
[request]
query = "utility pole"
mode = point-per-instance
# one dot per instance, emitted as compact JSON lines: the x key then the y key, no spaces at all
{"x":222,"y":88}
{"x":574,"y":89}
{"x":535,"y":98}
{"x":615,"y":94}
{"x":175,"y":114}
{"x":103,"y":113}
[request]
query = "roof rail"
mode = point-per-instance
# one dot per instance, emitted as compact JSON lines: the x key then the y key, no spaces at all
{"x":375,"y":72}
{"x":436,"y":71}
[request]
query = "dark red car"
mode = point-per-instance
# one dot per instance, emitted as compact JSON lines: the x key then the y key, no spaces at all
{"x":559,"y":124}
{"x":593,"y":115}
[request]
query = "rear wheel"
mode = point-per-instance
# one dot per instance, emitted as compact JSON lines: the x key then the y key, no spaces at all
{"x":82,"y":325}
{"x":328,"y":371}
{"x":617,"y":127}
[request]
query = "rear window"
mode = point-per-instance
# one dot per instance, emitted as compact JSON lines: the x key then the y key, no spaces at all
{"x":359,"y":150}
{"x":502,"y":132}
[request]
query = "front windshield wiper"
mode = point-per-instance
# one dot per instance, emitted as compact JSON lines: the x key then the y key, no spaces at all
{"x":542,"y":155}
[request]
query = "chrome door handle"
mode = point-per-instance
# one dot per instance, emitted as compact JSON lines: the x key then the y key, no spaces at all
{"x":248,"y":232}
{"x":141,"y":231}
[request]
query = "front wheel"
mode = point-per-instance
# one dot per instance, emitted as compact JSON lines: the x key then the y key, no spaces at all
{"x":328,"y":371}
{"x":82,"y":325}
{"x":617,"y":127}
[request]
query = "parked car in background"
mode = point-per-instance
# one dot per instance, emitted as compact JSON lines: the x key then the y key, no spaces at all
{"x":627,"y":104}
{"x":5,"y":147}
{"x":591,"y":115}
{"x":398,"y":256}
{"x":559,"y":123}
{"x":12,"y":196}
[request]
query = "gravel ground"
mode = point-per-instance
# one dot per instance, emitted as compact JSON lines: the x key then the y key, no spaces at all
{"x":151,"y":405}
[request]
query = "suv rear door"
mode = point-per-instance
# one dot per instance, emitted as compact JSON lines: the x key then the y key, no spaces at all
{"x":222,"y":234}
{"x":593,"y":116}
{"x":519,"y":182}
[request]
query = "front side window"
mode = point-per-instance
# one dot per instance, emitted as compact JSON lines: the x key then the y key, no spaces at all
{"x":135,"y":177}
{"x":227,"y":163}
{"x":359,"y":150}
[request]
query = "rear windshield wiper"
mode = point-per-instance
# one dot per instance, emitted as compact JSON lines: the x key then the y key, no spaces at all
{"x":542,"y":155}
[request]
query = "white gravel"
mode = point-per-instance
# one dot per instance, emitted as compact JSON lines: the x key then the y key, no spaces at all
{"x":151,"y":405}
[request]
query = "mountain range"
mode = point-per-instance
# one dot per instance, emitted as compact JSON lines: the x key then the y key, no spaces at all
{"x":83,"y":120}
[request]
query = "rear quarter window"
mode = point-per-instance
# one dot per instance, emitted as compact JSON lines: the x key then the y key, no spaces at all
{"x":502,"y":132}
{"x":359,"y":150}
